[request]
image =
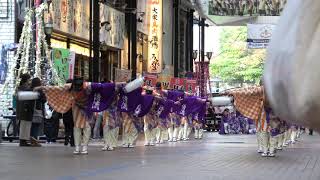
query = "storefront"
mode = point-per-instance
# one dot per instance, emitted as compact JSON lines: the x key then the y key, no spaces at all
{"x":71,"y":31}
{"x":112,"y":33}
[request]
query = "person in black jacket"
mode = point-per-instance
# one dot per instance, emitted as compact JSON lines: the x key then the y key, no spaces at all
{"x":24,"y":111}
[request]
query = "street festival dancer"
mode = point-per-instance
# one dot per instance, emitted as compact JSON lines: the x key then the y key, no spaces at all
{"x":251,"y":102}
{"x":84,"y":98}
{"x":111,"y":126}
{"x":127,"y":104}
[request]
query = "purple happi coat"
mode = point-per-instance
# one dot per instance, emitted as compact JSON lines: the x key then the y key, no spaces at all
{"x":144,"y":106}
{"x":101,"y":97}
{"x":129,"y":101}
{"x":198,"y":113}
{"x":188,"y":105}
{"x":175,"y":95}
{"x":167,"y":105}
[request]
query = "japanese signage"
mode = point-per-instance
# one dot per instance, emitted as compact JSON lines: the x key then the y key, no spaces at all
{"x":191,"y":85}
{"x":246,"y":7}
{"x":64,"y":62}
{"x":122,"y":75}
{"x":165,"y":81}
{"x":155,"y":36}
{"x":142,"y":25}
{"x":150,"y":80}
{"x":177,"y":83}
{"x":72,"y":17}
{"x":259,"y":35}
{"x":113,"y":31}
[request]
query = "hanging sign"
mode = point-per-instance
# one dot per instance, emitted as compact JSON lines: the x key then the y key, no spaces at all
{"x":72,"y":17}
{"x":165,"y":81}
{"x":191,"y":85}
{"x":155,"y":36}
{"x":150,"y":80}
{"x":113,"y":31}
{"x":64,"y":62}
{"x":122,"y":75}
{"x":246,"y":7}
{"x":177,"y":83}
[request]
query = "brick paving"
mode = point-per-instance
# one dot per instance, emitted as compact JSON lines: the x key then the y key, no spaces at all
{"x":215,"y":157}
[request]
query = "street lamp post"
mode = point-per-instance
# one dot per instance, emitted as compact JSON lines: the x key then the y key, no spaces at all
{"x":48,"y":28}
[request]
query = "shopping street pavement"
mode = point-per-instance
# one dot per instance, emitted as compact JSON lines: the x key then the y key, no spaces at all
{"x":213,"y":158}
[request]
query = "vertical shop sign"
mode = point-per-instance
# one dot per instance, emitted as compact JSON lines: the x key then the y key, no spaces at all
{"x":155,"y":39}
{"x":64,"y":63}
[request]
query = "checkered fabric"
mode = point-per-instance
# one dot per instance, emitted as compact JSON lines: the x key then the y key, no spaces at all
{"x":59,"y":98}
{"x":248,"y":101}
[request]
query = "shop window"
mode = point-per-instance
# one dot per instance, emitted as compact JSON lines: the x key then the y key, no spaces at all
{"x":81,"y":68}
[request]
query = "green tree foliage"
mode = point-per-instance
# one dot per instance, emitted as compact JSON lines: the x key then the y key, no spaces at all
{"x":235,"y":62}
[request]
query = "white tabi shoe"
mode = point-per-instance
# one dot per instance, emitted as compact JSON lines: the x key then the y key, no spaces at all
{"x":279,"y":148}
{"x":196,"y":137}
{"x":264,"y":154}
{"x":260,"y":151}
{"x":84,"y":150}
{"x":174,"y":140}
{"x":125,"y":145}
{"x":146,"y":144}
{"x":170,"y":140}
{"x":110,"y":149}
{"x":105,"y":148}
{"x":271,"y":155}
{"x":77,"y":150}
{"x":130,"y":146}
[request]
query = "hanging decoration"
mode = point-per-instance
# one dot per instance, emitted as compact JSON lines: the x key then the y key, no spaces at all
{"x":43,"y":65}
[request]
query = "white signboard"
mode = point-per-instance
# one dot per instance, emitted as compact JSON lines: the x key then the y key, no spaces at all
{"x":122,"y":75}
{"x":142,"y":16}
{"x":113,"y":31}
{"x":259,"y":35}
{"x":155,"y":36}
{"x":72,"y":17}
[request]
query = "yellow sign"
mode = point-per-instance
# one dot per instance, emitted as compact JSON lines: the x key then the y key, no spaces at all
{"x":155,"y":36}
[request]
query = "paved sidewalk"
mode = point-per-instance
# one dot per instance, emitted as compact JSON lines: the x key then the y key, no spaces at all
{"x":213,"y":158}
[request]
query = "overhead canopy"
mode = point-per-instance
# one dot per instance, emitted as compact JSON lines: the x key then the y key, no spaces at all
{"x":237,"y":12}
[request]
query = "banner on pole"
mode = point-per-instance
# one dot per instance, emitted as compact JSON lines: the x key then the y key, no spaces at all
{"x":122,"y":75}
{"x":259,"y":35}
{"x":64,"y":62}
